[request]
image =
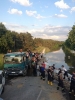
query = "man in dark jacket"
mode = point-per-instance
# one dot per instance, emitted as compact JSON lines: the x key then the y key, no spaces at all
{"x":60,"y":80}
{"x":72,"y":84}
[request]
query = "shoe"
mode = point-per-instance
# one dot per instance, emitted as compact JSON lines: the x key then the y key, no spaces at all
{"x":63,"y":90}
{"x":51,"y":83}
{"x":43,"y":79}
{"x":69,"y":92}
{"x":48,"y":82}
{"x":57,"y":88}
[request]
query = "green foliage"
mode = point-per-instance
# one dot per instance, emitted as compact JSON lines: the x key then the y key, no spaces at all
{"x":48,"y":43}
{"x":1,"y":61}
{"x":70,"y":42}
{"x":11,"y":40}
{"x":2,"y":30}
{"x":69,"y":58}
{"x":3,"y":44}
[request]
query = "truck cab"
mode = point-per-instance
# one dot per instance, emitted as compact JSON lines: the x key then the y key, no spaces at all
{"x":15,"y":63}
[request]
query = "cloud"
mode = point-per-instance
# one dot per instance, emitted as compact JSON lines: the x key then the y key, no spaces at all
{"x":34,"y":14}
{"x":34,"y":25}
{"x":15,"y":11}
{"x":73,"y":9}
{"x":46,"y":6}
{"x":15,"y":27}
{"x":61,"y":4}
{"x":60,"y":16}
{"x":47,"y":32}
{"x":45,"y":36}
{"x":31,"y":13}
{"x":61,"y":10}
{"x":38,"y":16}
{"x":51,"y":32}
{"x":73,"y":0}
{"x":22,"y":2}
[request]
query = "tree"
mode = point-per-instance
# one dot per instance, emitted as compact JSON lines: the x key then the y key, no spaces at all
{"x":2,"y":30}
{"x":3,"y":45}
{"x":70,"y":42}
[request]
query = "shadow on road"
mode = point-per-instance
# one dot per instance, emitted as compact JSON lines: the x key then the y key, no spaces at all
{"x":9,"y":78}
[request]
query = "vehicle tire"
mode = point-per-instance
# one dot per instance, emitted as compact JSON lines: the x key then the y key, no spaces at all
{"x":25,"y":72}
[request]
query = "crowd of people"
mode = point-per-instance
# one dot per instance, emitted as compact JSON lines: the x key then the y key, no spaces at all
{"x":62,"y":73}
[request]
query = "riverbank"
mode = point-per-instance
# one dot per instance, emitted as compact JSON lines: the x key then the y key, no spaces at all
{"x":57,"y":93}
{"x":66,"y":82}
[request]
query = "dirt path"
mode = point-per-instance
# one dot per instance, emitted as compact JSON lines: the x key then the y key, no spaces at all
{"x":43,"y":51}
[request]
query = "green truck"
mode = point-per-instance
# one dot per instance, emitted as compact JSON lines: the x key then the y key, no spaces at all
{"x":16,"y":63}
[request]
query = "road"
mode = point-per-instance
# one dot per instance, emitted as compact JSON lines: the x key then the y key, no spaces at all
{"x":31,"y":88}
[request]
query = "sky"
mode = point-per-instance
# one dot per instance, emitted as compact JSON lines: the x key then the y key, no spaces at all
{"x":47,"y":19}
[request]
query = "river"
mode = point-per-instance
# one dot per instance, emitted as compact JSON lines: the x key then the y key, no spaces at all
{"x":59,"y":58}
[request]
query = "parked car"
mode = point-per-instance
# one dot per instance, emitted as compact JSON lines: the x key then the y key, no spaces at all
{"x":2,"y":81}
{"x":1,"y":99}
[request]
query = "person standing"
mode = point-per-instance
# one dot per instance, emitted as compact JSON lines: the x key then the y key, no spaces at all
{"x":72,"y":84}
{"x":64,"y":70}
{"x":43,"y":64}
{"x":42,"y":72}
{"x":60,"y":80}
{"x":53,"y":68}
{"x":50,"y":75}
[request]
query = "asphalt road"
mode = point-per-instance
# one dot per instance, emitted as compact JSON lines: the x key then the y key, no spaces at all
{"x":31,"y":88}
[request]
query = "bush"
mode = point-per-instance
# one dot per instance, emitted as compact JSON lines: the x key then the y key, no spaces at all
{"x":1,"y":61}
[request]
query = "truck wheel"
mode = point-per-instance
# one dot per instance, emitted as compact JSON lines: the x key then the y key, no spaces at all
{"x":25,"y":72}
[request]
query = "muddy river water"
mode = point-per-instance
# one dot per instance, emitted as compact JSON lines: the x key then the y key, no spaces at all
{"x":60,"y":58}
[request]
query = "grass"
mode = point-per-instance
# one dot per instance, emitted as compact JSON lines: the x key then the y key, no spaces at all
{"x":1,"y":61}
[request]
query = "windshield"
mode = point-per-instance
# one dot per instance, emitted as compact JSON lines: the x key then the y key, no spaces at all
{"x":12,"y":60}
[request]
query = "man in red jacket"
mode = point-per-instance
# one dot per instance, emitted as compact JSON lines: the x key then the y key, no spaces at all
{"x":43,"y":70}
{"x":43,"y":64}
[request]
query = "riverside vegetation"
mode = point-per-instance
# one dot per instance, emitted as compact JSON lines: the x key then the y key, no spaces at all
{"x":11,"y":40}
{"x":69,"y":46}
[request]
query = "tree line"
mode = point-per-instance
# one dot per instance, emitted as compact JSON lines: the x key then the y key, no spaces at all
{"x":11,"y":40}
{"x":70,"y":42}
